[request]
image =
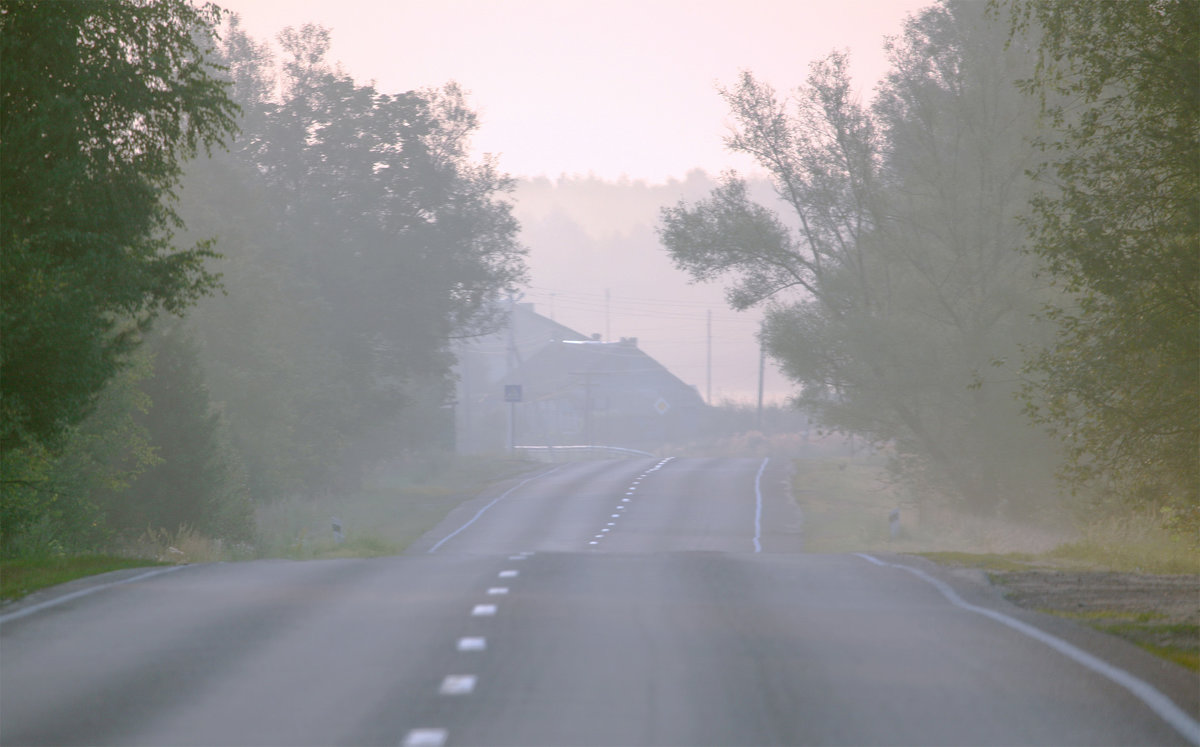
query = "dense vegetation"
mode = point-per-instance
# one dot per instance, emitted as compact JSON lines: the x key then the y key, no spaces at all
{"x":355,"y":239}
{"x":999,"y":231}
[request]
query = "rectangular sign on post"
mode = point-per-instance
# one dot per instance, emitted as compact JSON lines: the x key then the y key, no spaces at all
{"x":512,"y":392}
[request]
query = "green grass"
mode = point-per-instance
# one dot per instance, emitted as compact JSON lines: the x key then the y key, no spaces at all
{"x":392,"y":510}
{"x":846,"y":502}
{"x":1174,"y":641}
{"x":22,"y":576}
{"x":1136,"y":543}
{"x":1012,"y":561}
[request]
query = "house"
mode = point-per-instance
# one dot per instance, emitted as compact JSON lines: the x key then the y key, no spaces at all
{"x":574,"y":391}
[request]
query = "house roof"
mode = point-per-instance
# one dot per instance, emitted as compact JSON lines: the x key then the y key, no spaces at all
{"x":568,"y":364}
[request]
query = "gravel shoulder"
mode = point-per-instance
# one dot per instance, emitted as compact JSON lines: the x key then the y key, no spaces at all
{"x":1161,"y":613}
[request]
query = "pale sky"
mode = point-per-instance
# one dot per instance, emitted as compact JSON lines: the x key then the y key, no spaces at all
{"x":615,"y":88}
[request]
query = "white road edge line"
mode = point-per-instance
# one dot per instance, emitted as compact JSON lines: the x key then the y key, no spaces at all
{"x":758,"y":505}
{"x":1163,"y":706}
{"x":493,"y":502}
{"x":82,"y":593}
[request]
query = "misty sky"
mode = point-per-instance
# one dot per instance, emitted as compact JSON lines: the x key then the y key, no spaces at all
{"x":620,"y":88}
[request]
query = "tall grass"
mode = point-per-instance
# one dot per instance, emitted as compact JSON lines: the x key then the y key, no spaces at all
{"x":846,"y":502}
{"x":1137,"y":542}
{"x":398,"y":503}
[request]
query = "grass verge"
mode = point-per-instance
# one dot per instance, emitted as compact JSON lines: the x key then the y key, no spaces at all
{"x":396,"y":505}
{"x":1128,"y":576}
{"x":847,"y":501}
{"x":21,"y":576}
{"x":1175,"y":641}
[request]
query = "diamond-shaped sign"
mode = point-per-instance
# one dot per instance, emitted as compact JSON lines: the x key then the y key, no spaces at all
{"x":661,"y":406}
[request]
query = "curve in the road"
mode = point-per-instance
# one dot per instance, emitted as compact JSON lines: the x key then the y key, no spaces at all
{"x":1163,"y":706}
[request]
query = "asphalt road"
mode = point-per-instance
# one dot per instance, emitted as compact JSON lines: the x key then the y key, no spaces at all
{"x":636,"y":602}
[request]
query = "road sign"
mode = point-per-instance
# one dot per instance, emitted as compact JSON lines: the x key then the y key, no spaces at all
{"x":661,"y":406}
{"x":512,"y":392}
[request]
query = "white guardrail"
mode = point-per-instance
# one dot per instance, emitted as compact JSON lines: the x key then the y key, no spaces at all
{"x":572,"y":453}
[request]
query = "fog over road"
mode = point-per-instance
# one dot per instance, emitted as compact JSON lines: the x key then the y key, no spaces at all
{"x":656,"y":602}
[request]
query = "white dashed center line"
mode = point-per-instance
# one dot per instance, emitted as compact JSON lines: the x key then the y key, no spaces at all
{"x":472,"y":644}
{"x":425,"y":738}
{"x":497,"y":590}
{"x":483,"y":610}
{"x":457,"y":684}
{"x":509,"y":574}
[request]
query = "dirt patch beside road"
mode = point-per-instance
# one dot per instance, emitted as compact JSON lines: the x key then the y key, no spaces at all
{"x":1159,"y":612}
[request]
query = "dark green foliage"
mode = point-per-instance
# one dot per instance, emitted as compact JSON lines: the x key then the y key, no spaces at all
{"x":53,"y":501}
{"x":99,"y":103}
{"x":196,"y":479}
{"x":1117,"y":225}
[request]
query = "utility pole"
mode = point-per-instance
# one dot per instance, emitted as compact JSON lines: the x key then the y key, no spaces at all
{"x":607,"y":329}
{"x":708,"y":367}
{"x":762,"y":364}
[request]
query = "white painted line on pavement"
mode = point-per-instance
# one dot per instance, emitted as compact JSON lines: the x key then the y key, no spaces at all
{"x":516,"y":557}
{"x":509,"y":574}
{"x":624,"y":500}
{"x":615,"y":516}
{"x":593,"y":542}
{"x":611,"y":524}
{"x":425,"y":738}
{"x":1166,"y":709}
{"x":83,"y":593}
{"x":493,"y":502}
{"x":472,"y":643}
{"x":758,"y":506}
{"x":457,"y":684}
{"x":497,"y":590}
{"x":483,"y":610}
{"x":605,"y":529}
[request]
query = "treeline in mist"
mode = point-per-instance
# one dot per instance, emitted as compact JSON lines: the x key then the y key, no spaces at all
{"x":992,"y":269}
{"x":355,"y":239}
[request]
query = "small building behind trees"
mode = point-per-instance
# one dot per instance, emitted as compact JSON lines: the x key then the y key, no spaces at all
{"x":575,"y":391}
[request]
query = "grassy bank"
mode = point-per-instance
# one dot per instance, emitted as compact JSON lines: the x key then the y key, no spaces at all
{"x":397,"y":504}
{"x":24,"y":575}
{"x":847,"y":502}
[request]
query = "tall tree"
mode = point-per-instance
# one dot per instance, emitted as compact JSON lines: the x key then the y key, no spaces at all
{"x":1118,"y":225}
{"x":100,"y":102}
{"x":359,"y":237}
{"x":894,"y":271}
{"x":195,"y":480}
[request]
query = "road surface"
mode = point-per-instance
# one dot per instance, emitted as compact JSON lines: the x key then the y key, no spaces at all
{"x":634,"y":602}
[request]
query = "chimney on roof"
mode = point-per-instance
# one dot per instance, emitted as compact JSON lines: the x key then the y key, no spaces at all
{"x":630,"y":342}
{"x":595,"y":337}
